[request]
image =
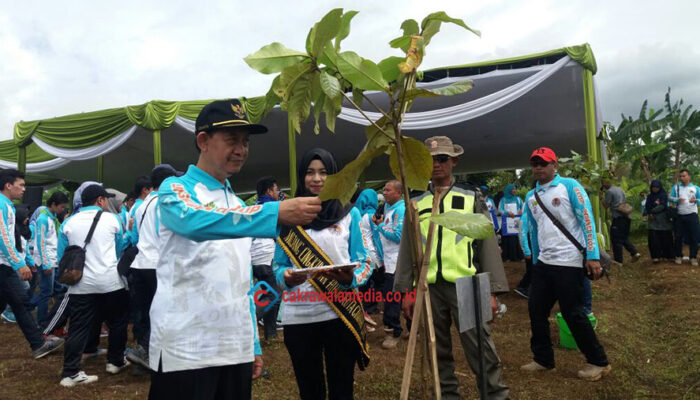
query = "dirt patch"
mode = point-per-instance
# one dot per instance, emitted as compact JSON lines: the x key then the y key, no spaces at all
{"x":649,"y":324}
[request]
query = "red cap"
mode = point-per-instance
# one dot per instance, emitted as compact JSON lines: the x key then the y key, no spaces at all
{"x":544,"y":153}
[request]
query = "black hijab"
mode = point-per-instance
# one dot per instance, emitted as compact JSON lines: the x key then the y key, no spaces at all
{"x":332,"y":211}
{"x":652,"y":197}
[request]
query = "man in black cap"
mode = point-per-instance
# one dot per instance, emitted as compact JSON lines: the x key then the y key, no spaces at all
{"x":203,"y":333}
{"x":142,"y":276}
{"x":101,"y":292}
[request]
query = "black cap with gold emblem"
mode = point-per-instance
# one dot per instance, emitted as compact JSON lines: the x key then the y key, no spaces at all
{"x":222,"y":114}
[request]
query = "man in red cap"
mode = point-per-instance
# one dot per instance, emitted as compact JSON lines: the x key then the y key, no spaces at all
{"x":559,"y":272}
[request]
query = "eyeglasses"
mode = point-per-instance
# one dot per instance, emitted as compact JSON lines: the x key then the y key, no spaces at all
{"x":539,"y":163}
{"x":441,"y":158}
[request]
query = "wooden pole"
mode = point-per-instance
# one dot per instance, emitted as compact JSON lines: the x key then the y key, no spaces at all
{"x":420,"y":307}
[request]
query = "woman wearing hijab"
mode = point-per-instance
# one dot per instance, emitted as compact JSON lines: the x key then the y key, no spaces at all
{"x":660,"y":225}
{"x":510,"y":208}
{"x":367,"y":203}
{"x":320,"y":331}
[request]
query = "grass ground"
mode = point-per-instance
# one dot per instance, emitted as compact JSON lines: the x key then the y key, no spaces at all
{"x":649,"y":324}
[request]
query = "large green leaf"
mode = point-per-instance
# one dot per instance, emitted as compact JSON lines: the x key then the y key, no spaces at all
{"x":271,"y":97}
{"x":299,"y":104}
{"x":390,"y":68}
{"x":449,"y":90}
{"x":410,"y":27}
{"x":473,"y":225}
{"x":358,"y":96}
{"x":325,"y":30}
{"x":636,"y":152}
{"x":344,"y":28}
{"x":443,"y":17}
{"x":317,"y":97}
{"x":274,"y":58}
{"x":375,"y":138}
{"x":329,"y":58}
{"x":430,"y":29}
{"x":331,"y":107}
{"x":401,"y":42}
{"x":360,"y":72}
{"x":418,"y":163}
{"x":330,"y":85}
{"x":290,"y":75}
{"x":342,"y":185}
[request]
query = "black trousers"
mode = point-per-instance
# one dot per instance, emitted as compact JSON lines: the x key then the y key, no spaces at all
{"x":264,"y":273}
{"x":660,"y":244}
{"x":309,"y":345}
{"x":13,"y":293}
{"x":58,"y":315}
{"x":85,"y":311}
{"x":230,"y":382}
{"x":527,"y":277}
{"x":619,"y":236}
{"x":551,"y":283}
{"x":374,"y":283}
{"x":511,"y":248}
{"x":392,"y":305}
{"x":142,"y":288}
{"x":687,"y":229}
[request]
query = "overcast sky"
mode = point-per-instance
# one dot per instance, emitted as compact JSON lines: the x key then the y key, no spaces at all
{"x":59,"y":58}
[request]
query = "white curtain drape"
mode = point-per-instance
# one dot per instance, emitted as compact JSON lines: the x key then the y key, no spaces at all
{"x":89,"y":152}
{"x":466,"y":111}
{"x":37,"y":167}
{"x":455,"y":114}
{"x":185,"y":123}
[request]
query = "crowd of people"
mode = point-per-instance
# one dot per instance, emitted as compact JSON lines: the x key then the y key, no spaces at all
{"x":178,"y":258}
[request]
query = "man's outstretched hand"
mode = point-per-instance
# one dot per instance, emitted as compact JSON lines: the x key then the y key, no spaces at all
{"x":299,"y":211}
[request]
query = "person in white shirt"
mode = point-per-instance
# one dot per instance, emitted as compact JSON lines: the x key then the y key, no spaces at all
{"x":142,"y":274}
{"x":559,"y":270}
{"x":203,"y":333}
{"x":389,"y":229}
{"x":684,"y":196}
{"x":100,"y":294}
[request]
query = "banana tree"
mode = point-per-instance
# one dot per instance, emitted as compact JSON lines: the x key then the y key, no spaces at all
{"x":317,"y":81}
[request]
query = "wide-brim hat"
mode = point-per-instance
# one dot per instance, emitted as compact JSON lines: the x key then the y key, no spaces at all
{"x":443,"y":145}
{"x":221,"y":114}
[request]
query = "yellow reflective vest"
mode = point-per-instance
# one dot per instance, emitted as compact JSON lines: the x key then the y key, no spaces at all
{"x":452,"y":255}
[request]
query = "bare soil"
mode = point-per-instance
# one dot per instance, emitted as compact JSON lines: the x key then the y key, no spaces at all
{"x":649,"y":324}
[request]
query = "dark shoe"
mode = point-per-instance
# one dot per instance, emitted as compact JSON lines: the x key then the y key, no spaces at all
{"x":138,"y":355}
{"x":50,"y":344}
{"x":524,"y":292}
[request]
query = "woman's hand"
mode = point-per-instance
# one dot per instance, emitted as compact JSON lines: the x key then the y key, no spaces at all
{"x":292,"y":279}
{"x":343,"y":276}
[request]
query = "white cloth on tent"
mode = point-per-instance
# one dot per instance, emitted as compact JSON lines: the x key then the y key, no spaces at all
{"x":88,"y":152}
{"x":37,"y":167}
{"x":185,"y":123}
{"x":455,"y":114}
{"x":466,"y":111}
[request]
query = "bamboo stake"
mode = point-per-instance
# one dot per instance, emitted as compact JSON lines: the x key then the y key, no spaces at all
{"x":420,"y":307}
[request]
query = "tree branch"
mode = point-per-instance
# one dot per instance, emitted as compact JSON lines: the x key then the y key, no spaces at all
{"x":366,"y":117}
{"x":377,"y":107}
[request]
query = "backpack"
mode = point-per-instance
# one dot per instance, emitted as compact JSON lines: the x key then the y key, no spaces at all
{"x":72,"y":263}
